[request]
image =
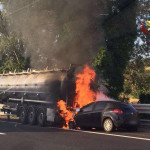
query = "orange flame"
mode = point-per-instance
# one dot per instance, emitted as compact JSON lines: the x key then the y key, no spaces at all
{"x":66,"y":114}
{"x":84,"y":94}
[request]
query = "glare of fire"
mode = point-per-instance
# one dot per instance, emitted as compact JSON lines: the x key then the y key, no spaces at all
{"x":84,"y":94}
{"x":66,"y":114}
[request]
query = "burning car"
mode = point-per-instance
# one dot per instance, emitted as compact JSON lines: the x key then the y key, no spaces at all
{"x":107,"y":115}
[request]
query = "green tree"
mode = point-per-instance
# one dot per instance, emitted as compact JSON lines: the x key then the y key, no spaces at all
{"x":147,"y":62}
{"x":11,"y":50}
{"x":120,"y":34}
{"x":136,"y":79}
{"x":11,"y":54}
{"x":142,"y":45}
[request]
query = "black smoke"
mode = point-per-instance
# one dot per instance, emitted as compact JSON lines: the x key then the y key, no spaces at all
{"x":57,"y":33}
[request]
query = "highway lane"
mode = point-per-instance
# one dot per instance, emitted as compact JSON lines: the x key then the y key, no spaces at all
{"x":25,"y":137}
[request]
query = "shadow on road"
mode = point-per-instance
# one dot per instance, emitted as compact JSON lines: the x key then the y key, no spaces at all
{"x":15,"y":126}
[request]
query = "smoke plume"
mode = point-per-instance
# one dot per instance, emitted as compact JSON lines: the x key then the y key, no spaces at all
{"x":57,"y":33}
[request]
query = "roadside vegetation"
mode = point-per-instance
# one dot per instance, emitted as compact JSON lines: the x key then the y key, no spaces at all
{"x":12,"y":56}
{"x":125,"y":61}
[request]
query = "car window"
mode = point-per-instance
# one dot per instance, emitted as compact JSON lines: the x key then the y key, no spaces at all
{"x":100,"y":105}
{"x":128,"y":107}
{"x":88,"y":108}
{"x":113,"y":105}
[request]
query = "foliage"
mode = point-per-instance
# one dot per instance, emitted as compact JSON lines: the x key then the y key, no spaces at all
{"x":147,"y":62}
{"x":142,"y":45}
{"x":136,"y":79}
{"x":11,"y":54}
{"x":104,"y":65}
{"x":3,"y":25}
{"x":120,"y":33}
{"x":11,"y":50}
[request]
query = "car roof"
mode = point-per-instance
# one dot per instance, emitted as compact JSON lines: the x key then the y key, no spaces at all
{"x":111,"y":100}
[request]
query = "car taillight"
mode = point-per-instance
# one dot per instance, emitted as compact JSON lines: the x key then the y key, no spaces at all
{"x":118,"y":111}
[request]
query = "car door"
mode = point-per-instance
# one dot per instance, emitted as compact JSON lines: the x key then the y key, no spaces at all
{"x":96,"y":115}
{"x":84,"y":116}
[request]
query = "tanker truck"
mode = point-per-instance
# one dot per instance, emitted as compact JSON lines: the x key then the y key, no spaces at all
{"x":33,"y":95}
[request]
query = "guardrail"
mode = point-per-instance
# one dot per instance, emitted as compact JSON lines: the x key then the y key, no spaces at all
{"x":143,"y":109}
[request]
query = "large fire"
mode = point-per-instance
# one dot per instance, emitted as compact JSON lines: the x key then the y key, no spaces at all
{"x":84,"y":94}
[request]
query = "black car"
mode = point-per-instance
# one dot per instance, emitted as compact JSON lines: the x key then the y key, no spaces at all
{"x":108,"y":115}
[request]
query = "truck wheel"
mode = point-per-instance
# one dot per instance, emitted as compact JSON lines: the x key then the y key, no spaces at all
{"x":41,"y":117}
{"x":32,"y":115}
{"x":108,"y":125}
{"x":23,"y":115}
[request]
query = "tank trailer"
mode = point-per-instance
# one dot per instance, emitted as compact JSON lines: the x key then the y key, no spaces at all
{"x":33,"y":95}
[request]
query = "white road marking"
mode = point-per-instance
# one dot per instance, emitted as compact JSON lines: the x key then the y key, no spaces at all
{"x":117,"y":135}
{"x":98,"y":133}
{"x":108,"y":134}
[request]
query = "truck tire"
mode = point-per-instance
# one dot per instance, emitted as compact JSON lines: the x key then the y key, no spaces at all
{"x":32,"y":116}
{"x":41,"y":116}
{"x":23,"y":115}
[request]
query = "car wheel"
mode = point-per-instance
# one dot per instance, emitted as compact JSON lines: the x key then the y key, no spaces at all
{"x":23,"y":115}
{"x":108,"y":125}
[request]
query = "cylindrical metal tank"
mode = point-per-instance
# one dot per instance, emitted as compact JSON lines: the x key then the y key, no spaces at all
{"x":38,"y":85}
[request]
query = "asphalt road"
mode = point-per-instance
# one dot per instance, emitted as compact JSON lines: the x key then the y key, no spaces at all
{"x":14,"y":136}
